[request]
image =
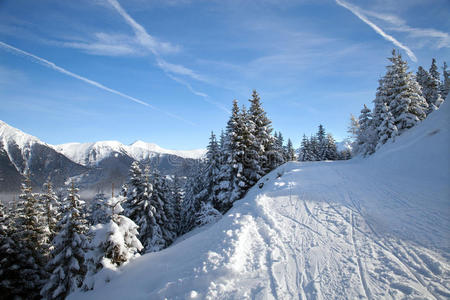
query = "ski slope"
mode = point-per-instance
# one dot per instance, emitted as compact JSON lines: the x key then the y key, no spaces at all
{"x":361,"y":229}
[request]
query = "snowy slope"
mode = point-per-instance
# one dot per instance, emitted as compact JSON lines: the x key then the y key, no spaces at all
{"x":89,"y":154}
{"x":365,"y":228}
{"x":21,"y":152}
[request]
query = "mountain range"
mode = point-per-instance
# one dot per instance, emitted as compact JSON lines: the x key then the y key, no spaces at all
{"x":93,"y":166}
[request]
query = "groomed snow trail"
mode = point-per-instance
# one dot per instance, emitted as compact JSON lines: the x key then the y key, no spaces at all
{"x":376,"y":228}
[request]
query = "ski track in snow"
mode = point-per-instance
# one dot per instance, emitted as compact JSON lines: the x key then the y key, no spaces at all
{"x":361,"y":229}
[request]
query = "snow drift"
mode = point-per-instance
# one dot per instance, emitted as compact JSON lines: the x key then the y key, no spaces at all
{"x":365,"y":228}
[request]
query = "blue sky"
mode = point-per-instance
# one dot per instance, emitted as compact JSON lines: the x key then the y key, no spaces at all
{"x":166,"y":71}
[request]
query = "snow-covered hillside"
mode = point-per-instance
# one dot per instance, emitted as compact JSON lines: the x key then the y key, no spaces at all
{"x":92,"y":153}
{"x":366,"y":228}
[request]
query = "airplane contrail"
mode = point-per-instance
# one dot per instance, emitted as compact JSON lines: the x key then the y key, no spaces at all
{"x":151,"y":44}
{"x":54,"y":67}
{"x":354,"y":10}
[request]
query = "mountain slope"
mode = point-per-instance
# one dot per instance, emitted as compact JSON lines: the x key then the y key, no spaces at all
{"x":365,"y":228}
{"x":21,"y":152}
{"x":94,"y":166}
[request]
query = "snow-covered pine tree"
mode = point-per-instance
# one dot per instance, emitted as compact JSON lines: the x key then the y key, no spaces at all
{"x":68,"y":265}
{"x":321,"y":143}
{"x":379,"y":102}
{"x":278,"y":155}
{"x":207,"y":214}
{"x":160,"y":198}
{"x":140,"y":208}
{"x":250,"y":157}
{"x":434,"y":86}
{"x":290,"y":151}
{"x":304,"y":152}
{"x":422,"y":77}
{"x":30,"y":228}
{"x":366,"y":138}
{"x":314,"y":148}
{"x":114,"y":243}
{"x":352,"y":129}
{"x":211,"y":171}
{"x":191,"y":204}
{"x":404,"y":96}
{"x":177,"y":199}
{"x":262,"y":132}
{"x":51,"y":215}
{"x":227,"y":173}
{"x":428,"y":86}
{"x":20,"y":275}
{"x":331,"y":152}
{"x":386,"y":129}
{"x":99,"y":212}
{"x":240,"y":144}
{"x":445,"y":85}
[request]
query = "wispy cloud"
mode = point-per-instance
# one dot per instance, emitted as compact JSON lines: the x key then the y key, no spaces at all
{"x":54,"y":67}
{"x":399,"y":25}
{"x":153,"y":46}
{"x":200,"y":94}
{"x":357,"y":12}
{"x":105,"y":44}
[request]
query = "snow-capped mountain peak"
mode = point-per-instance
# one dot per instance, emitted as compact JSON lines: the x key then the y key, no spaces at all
{"x":9,"y":134}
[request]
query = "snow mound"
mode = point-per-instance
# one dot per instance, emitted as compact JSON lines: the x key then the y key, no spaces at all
{"x":365,"y":228}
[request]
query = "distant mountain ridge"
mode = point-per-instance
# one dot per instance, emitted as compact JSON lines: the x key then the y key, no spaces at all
{"x":91,"y":165}
{"x":92,"y":153}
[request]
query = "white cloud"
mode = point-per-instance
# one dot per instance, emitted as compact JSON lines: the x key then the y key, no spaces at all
{"x":357,"y":12}
{"x":433,"y":37}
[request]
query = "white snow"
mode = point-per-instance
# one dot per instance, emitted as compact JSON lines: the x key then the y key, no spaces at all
{"x":365,"y":228}
{"x":10,"y":136}
{"x":92,"y":153}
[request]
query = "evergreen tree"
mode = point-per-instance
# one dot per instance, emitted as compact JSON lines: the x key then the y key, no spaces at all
{"x":445,"y":86}
{"x":331,"y":152}
{"x":20,"y":275}
{"x":314,"y":147}
{"x":304,"y":153}
{"x":144,"y":207}
{"x":366,"y":139}
{"x":30,"y":228}
{"x":434,"y":86}
{"x":290,"y":151}
{"x":353,"y":128}
{"x":51,"y":215}
{"x":430,"y":87}
{"x":262,"y":132}
{"x":207,"y":214}
{"x":114,"y":243}
{"x":177,"y":199}
{"x":227,"y":173}
{"x":404,"y":95}
{"x":387,"y":129}
{"x":277,"y":155}
{"x":99,"y":212}
{"x":191,"y":203}
{"x":239,"y":145}
{"x":164,"y":208}
{"x":68,"y":265}
{"x":321,"y":143}
{"x":211,"y":171}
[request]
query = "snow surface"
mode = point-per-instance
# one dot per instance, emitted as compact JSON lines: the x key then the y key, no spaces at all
{"x":10,"y":135}
{"x":365,"y":228}
{"x":92,"y":153}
